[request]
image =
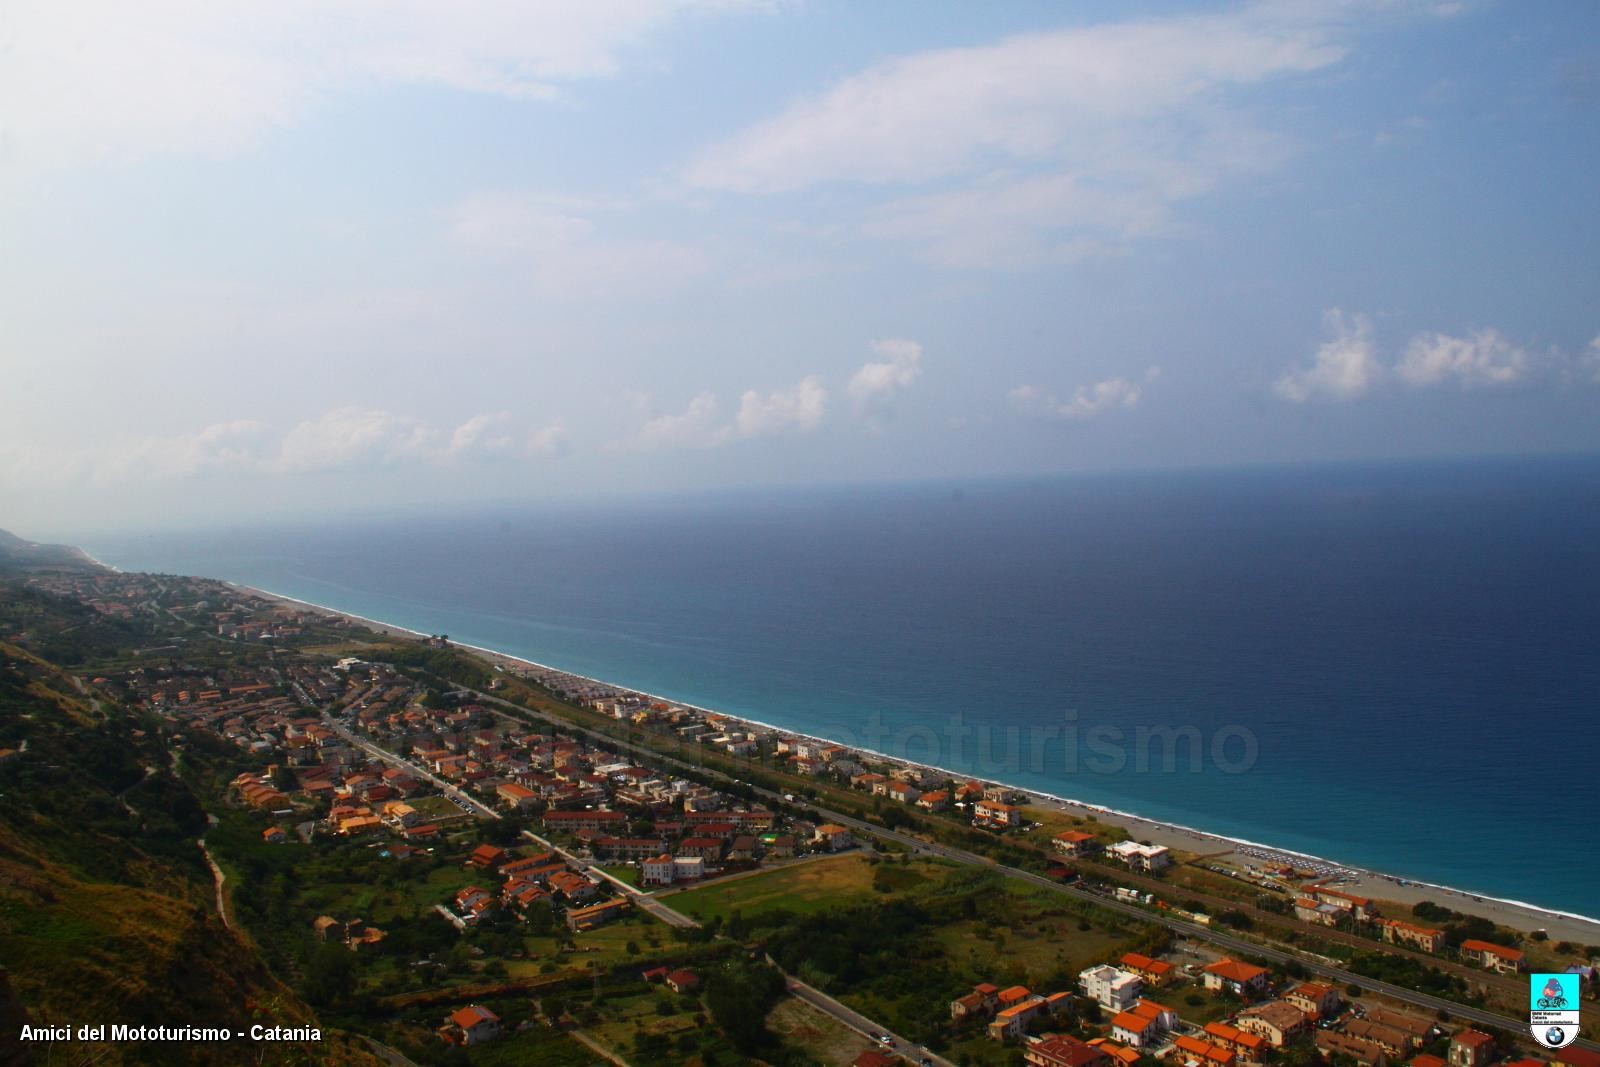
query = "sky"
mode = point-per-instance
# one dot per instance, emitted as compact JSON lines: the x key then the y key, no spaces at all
{"x":326,"y":256}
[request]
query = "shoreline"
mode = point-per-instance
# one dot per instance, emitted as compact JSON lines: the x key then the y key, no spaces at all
{"x":1520,"y":915}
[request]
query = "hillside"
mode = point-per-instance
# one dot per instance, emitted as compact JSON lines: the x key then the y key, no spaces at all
{"x":19,"y":556}
{"x":105,"y":900}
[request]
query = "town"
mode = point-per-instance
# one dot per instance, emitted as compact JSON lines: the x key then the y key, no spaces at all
{"x":487,"y":854}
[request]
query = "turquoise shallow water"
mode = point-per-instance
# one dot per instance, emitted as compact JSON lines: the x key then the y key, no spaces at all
{"x":1395,"y":667}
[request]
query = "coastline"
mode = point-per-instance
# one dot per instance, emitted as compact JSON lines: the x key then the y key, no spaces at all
{"x":1521,"y":915}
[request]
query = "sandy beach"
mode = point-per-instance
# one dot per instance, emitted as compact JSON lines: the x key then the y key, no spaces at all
{"x":1526,"y":917}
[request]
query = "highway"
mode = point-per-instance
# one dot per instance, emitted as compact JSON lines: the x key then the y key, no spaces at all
{"x":1229,"y":942}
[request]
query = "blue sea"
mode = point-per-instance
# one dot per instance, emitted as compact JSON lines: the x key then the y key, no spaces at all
{"x":1390,"y":666}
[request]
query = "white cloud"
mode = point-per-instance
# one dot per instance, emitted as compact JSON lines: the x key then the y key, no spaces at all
{"x":549,"y":440}
{"x":1588,"y":364}
{"x":1483,"y":358}
{"x":353,"y":436}
{"x":481,"y":433}
{"x":1086,"y":401}
{"x":694,"y":427}
{"x":800,"y":408}
{"x":1344,"y":367}
{"x":1042,"y":147}
{"x":224,"y":445}
{"x":880,"y":380}
{"x":1028,"y":97}
{"x":92,"y":79}
{"x":563,"y":252}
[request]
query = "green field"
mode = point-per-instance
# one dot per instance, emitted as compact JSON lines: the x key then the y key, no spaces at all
{"x":437,"y":809}
{"x":804,"y":888}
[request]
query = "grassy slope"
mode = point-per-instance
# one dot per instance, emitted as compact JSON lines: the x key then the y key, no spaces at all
{"x":105,"y":911}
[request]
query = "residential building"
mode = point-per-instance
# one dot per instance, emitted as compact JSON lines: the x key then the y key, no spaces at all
{"x":1426,"y":938}
{"x":1241,"y":979}
{"x":1113,"y":989}
{"x":1193,"y":1052}
{"x":1063,"y":1051}
{"x":1332,"y":1043}
{"x":1395,"y":1042}
{"x":834,"y":837}
{"x":1492,"y":957}
{"x":1316,"y":999}
{"x":996,"y":815}
{"x":1155,"y":973}
{"x":658,"y":870}
{"x":1471,"y":1048}
{"x":1073,"y":843}
{"x":1143,"y":1025}
{"x":983,"y":1000}
{"x":474,"y":1025}
{"x":1278,"y":1021}
{"x":1249,"y":1047}
{"x":1141,"y":857}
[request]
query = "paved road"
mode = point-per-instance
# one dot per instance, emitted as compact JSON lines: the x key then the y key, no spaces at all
{"x":1200,"y":933}
{"x":861,"y":1024}
{"x":642,"y":899}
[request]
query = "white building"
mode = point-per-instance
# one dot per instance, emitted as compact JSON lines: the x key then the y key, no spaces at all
{"x":1113,"y":989}
{"x":1141,"y":857}
{"x":688,"y":868}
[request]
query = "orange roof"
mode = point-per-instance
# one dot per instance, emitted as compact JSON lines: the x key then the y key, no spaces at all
{"x":1472,"y":1039}
{"x":1014,"y":994}
{"x":1132,"y":1022}
{"x":1234,"y":1036}
{"x":1235,"y":971}
{"x":1144,"y":963}
{"x":1425,"y":1060}
{"x":1206,"y":1051}
{"x":1492,"y":949}
{"x":1116,"y":1051}
{"x":1073,"y":837}
{"x":1017,"y":1009}
{"x":468,"y":1017}
{"x":985,"y":988}
{"x":1149,"y":1009}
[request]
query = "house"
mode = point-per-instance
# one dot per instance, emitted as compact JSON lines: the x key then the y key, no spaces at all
{"x":1471,"y":1048}
{"x":938,"y":800}
{"x":1399,"y":932}
{"x":996,"y":815}
{"x":1417,"y":1030}
{"x":688,"y":868}
{"x":573,"y":821}
{"x":489,"y":858}
{"x":904,"y":792}
{"x":704,"y":847}
{"x":1332,"y":1043}
{"x":1141,"y":857}
{"x":1062,"y":1051}
{"x":1113,"y":989}
{"x":1241,"y":979}
{"x":983,"y":1000}
{"x":1492,"y":957}
{"x":1358,"y":908}
{"x":1278,"y":1021}
{"x":274,"y":835}
{"x":1396,"y":1043}
{"x":1121,"y":1055}
{"x":834,"y":838}
{"x":683,"y":981}
{"x":1010,"y":1023}
{"x":1193,"y":1052}
{"x":596,"y":914}
{"x":1311,"y":910}
{"x":516,"y":797}
{"x":474,"y":1025}
{"x":743,"y":847}
{"x":657,"y":870}
{"x":1316,"y":999}
{"x":1143,"y":1025}
{"x":1250,"y":1048}
{"x":1154,"y":972}
{"x":575,"y":887}
{"x":1073,"y":843}
{"x":778,"y":846}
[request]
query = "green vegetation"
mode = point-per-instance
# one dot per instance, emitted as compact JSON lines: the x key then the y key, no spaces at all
{"x":800,"y":888}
